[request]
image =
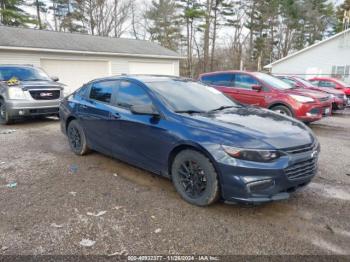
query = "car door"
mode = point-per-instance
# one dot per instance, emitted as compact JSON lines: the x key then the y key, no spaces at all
{"x":145,"y":139}
{"x":244,"y":83}
{"x":95,"y":114}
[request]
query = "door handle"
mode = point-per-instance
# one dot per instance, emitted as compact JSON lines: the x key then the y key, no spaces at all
{"x":115,"y":115}
{"x":83,"y":106}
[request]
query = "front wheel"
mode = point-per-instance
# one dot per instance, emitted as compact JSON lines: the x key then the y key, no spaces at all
{"x":77,"y":138}
{"x":195,"y":178}
{"x":4,"y":116}
{"x":283,"y":110}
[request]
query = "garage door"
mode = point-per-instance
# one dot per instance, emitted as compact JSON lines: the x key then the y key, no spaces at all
{"x":74,"y":73}
{"x":151,"y":68}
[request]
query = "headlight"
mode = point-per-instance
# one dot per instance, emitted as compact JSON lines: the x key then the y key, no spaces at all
{"x":252,"y":154}
{"x":302,"y":99}
{"x":16,"y":93}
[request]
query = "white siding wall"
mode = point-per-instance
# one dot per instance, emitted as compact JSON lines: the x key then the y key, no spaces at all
{"x":317,"y":60}
{"x":118,"y":65}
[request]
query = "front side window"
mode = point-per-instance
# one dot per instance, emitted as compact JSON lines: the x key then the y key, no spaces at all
{"x":245,"y":81}
{"x":224,"y":79}
{"x":102,"y":91}
{"x":327,"y":84}
{"x":130,"y":94}
{"x":23,"y":74}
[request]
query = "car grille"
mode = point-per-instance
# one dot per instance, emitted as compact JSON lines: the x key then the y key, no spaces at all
{"x":300,"y":149}
{"x":302,"y":169}
{"x":45,"y":94}
{"x":42,"y":111}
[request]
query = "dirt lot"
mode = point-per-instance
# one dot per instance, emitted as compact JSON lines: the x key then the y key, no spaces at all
{"x":52,"y":208}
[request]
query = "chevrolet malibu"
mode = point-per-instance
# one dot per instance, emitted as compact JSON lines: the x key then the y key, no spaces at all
{"x":210,"y":146}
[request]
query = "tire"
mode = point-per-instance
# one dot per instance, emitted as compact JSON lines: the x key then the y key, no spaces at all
{"x":77,"y":138}
{"x":200,"y":188}
{"x":283,"y":110}
{"x":4,"y":117}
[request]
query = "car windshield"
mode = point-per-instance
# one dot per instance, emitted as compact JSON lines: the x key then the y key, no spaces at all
{"x":273,"y":81}
{"x":343,"y":83}
{"x":190,"y":96}
{"x":22,"y":74}
{"x":305,"y":82}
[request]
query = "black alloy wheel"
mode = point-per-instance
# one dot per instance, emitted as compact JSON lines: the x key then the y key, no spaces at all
{"x":195,"y":178}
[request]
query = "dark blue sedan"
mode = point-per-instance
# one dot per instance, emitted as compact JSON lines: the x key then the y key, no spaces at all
{"x":210,"y":146}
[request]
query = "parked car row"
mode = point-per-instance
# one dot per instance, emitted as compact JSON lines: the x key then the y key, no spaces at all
{"x":287,"y":95}
{"x":199,"y":134}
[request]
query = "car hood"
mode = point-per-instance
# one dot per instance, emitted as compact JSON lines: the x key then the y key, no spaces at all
{"x":307,"y":92}
{"x":328,"y":90}
{"x":252,"y":127}
{"x":40,"y":84}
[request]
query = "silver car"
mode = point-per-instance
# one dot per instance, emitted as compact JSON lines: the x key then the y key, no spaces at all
{"x":27,"y":91}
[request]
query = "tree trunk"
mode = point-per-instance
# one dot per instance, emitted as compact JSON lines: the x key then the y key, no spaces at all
{"x":38,"y":13}
{"x":207,"y":35}
{"x":214,"y":36}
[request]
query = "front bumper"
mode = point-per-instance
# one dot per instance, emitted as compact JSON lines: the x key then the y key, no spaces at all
{"x":310,"y":112}
{"x":250,"y":182}
{"x":24,"y":108}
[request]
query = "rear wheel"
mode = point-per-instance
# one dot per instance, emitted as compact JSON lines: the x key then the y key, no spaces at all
{"x":4,"y":116}
{"x":195,"y":178}
{"x":77,"y":138}
{"x":283,"y":110}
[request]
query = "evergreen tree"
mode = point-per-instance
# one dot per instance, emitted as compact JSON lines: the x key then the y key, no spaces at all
{"x":12,"y":14}
{"x":164,"y":26}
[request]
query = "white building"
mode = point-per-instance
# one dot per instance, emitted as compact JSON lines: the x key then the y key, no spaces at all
{"x":77,"y":58}
{"x":330,"y":57}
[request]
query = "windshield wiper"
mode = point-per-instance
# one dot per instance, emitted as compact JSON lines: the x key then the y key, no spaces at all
{"x":189,"y":112}
{"x":221,"y":108}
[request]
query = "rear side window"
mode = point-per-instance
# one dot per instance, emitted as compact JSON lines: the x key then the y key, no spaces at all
{"x":102,"y":91}
{"x":218,"y":79}
{"x":130,"y":94}
{"x":245,"y":81}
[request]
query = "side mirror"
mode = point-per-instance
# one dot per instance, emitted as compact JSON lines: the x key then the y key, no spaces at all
{"x":257,"y":88}
{"x":55,"y":78}
{"x":144,"y":110}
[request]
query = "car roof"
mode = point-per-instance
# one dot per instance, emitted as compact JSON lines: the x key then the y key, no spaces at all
{"x":16,"y":65}
{"x":226,"y":71}
{"x":143,"y":78}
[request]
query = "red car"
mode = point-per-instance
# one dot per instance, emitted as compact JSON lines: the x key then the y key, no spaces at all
{"x":330,"y":82}
{"x":270,"y":92}
{"x":338,"y":96}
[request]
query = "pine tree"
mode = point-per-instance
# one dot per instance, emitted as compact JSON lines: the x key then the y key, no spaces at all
{"x":12,"y":14}
{"x":164,"y":26}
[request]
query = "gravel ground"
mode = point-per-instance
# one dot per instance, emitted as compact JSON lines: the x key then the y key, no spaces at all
{"x":63,"y":201}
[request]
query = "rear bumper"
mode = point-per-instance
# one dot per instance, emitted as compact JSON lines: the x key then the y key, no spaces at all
{"x":23,"y":108}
